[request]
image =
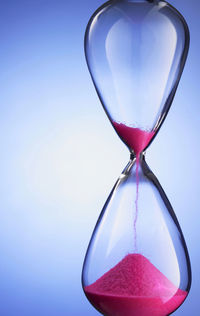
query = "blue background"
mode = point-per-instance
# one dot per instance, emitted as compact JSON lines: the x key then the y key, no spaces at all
{"x":60,"y":156}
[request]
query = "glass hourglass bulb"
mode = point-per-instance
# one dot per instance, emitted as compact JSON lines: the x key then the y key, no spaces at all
{"x":137,"y":261}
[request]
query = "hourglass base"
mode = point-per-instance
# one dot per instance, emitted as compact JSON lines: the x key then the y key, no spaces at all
{"x":135,"y":287}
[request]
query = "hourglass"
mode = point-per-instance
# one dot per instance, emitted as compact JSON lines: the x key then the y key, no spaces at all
{"x":137,"y":261}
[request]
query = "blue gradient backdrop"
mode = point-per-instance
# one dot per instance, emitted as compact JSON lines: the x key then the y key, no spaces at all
{"x":60,"y":157}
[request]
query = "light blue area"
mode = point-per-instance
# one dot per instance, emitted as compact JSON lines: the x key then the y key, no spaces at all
{"x":60,"y":157}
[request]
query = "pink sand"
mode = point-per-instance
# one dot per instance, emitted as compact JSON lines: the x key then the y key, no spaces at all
{"x":135,"y":287}
{"x":137,"y":140}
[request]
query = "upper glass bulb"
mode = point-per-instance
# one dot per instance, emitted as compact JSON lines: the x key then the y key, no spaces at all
{"x":136,"y":51}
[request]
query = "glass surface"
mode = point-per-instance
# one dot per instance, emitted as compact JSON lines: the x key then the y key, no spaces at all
{"x":136,"y":52}
{"x":156,"y":235}
{"x":137,"y":261}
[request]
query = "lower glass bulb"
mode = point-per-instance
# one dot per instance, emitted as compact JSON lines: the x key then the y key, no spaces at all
{"x":137,"y":261}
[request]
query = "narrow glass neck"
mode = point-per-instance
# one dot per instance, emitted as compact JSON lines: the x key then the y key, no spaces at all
{"x":137,"y":168}
{"x":139,"y":156}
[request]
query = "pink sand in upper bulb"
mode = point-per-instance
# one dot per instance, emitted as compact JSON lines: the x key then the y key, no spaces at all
{"x":135,"y":287}
{"x":135,"y":138}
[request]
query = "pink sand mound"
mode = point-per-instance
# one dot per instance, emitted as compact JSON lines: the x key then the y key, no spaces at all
{"x":134,"y":287}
